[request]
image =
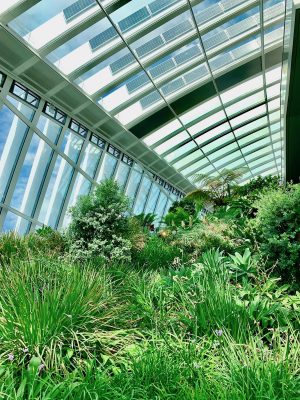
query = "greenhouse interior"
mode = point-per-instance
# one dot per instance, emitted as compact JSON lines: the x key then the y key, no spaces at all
{"x":149,"y":199}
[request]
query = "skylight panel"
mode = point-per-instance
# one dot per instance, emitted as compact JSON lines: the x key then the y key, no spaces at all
{"x":256,"y":145}
{"x":77,"y":8}
{"x":160,"y":5}
{"x":174,"y":141}
{"x":203,"y":108}
{"x":227,"y":159}
{"x":213,"y":133}
{"x":223,"y":151}
{"x":162,"y":68}
{"x":254,"y":136}
{"x":134,"y":19}
{"x":103,"y":38}
{"x":149,"y":46}
{"x":121,"y":63}
{"x":180,"y":151}
{"x":195,"y":167}
{"x":243,"y":88}
{"x":256,"y":112}
{"x":218,"y":143}
{"x":248,"y":102}
{"x":188,"y":54}
{"x":188,"y":159}
{"x":150,"y":99}
{"x":162,"y":132}
{"x":260,"y":122}
{"x":178,"y":30}
{"x":207,"y":122}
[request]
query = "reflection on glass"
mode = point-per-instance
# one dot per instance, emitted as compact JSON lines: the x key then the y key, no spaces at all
{"x":12,"y":135}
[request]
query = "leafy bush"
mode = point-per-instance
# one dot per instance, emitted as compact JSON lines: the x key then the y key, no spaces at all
{"x":209,"y":233}
{"x":156,"y":254}
{"x":277,"y":228}
{"x":45,"y":242}
{"x":99,"y":227}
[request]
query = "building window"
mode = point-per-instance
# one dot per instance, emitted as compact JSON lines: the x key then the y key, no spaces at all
{"x":2,"y":79}
{"x":127,"y":160}
{"x":25,"y":94}
{"x":78,"y":128}
{"x":97,"y":141}
{"x":113,"y":151}
{"x":55,"y":113}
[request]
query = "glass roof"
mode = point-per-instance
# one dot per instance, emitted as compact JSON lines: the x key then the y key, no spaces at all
{"x":139,"y":58}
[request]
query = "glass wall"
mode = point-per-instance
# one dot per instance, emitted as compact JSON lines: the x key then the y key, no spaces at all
{"x":48,"y":160}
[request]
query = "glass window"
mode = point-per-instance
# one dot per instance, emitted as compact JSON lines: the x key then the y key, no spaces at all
{"x":82,"y":187}
{"x":12,"y":135}
{"x":15,"y":223}
{"x":55,"y":113}
{"x":27,"y":111}
{"x":56,"y":192}
{"x":161,"y":205}
{"x":25,"y":94}
{"x":71,"y":145}
{"x":91,"y":159}
{"x":108,"y":167}
{"x":133,"y":184}
{"x":49,"y":128}
{"x":31,"y":176}
{"x":142,"y":195}
{"x":122,"y":174}
{"x":152,"y":199}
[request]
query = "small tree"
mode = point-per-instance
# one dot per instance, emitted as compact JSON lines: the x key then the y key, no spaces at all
{"x":215,"y":189}
{"x":99,"y":227}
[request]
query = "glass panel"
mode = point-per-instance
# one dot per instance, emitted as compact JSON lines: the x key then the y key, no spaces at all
{"x":152,"y":198}
{"x":108,"y":167}
{"x":56,"y":192}
{"x":161,"y":205}
{"x":49,"y":128}
{"x":71,"y":145}
{"x":27,"y":111}
{"x":31,"y":178}
{"x":82,"y":186}
{"x":122,"y":174}
{"x":12,"y":135}
{"x":162,"y":132}
{"x":91,"y":159}
{"x":167,"y":145}
{"x":133,"y":184}
{"x":15,"y":223}
{"x":142,"y":195}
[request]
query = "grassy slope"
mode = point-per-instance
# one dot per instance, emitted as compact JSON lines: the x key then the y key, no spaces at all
{"x":82,"y":332}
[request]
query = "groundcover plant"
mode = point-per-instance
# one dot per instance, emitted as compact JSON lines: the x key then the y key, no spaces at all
{"x":184,"y":316}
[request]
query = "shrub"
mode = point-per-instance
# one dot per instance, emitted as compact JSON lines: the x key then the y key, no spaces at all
{"x":157,"y":253}
{"x":45,"y":242}
{"x":277,"y":229}
{"x":99,"y":226}
{"x":209,"y":233}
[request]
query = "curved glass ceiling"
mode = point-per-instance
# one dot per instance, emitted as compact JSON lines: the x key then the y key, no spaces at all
{"x":137,"y":59}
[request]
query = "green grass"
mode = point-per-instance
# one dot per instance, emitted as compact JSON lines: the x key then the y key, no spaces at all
{"x":71,"y":331}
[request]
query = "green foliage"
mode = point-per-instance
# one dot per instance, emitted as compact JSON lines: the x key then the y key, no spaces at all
{"x":208,"y":234}
{"x":257,"y":185}
{"x":277,"y":231}
{"x":99,"y":227}
{"x":187,"y":204}
{"x":43,"y":243}
{"x":156,"y":254}
{"x":242,"y":266}
{"x":177,"y":218}
{"x":145,"y":220}
{"x":217,"y":188}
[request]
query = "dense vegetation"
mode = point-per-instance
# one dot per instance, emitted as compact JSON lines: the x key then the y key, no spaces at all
{"x":206,"y":308}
